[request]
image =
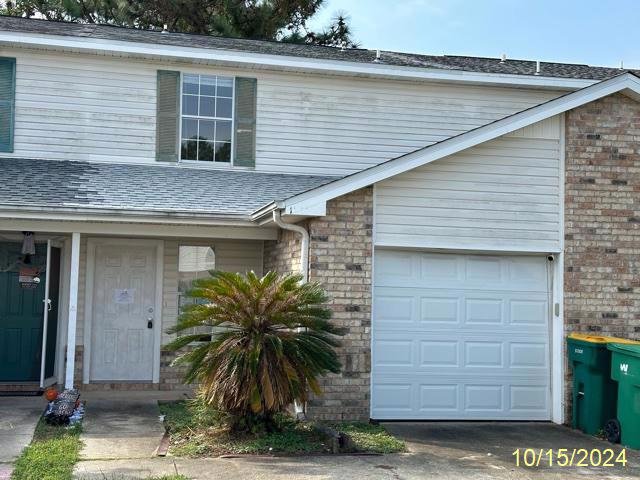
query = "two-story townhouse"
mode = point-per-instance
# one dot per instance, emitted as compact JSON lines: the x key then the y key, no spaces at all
{"x":463,"y":213}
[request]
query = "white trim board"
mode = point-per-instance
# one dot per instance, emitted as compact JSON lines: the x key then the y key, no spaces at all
{"x":92,"y":243}
{"x":313,"y":202}
{"x":119,"y":48}
{"x":93,"y":227}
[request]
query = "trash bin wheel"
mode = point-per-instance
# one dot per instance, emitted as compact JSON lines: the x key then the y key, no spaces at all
{"x":612,"y":430}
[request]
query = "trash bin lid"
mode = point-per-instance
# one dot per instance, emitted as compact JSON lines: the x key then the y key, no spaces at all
{"x":584,"y":337}
{"x":626,"y":348}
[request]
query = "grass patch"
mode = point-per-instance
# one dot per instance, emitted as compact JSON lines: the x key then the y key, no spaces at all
{"x":51,"y":455}
{"x":368,"y":437}
{"x":197,"y":431}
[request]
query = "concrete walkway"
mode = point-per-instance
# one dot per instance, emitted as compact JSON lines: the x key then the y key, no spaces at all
{"x":18,"y":419}
{"x":437,"y":450}
{"x":122,"y":425}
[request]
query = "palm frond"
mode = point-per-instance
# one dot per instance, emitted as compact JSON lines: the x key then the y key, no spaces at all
{"x":274,"y":338}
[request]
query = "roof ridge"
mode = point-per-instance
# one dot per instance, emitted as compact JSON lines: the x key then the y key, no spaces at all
{"x":488,"y":65}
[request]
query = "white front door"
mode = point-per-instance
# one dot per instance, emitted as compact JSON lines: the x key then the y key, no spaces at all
{"x":123,"y":312}
{"x":460,"y":337}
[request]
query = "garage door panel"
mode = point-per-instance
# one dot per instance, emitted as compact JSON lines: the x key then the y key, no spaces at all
{"x":529,"y":398}
{"x":435,"y":270}
{"x":486,"y":354}
{"x":483,"y":355}
{"x":460,"y":337}
{"x":466,"y":399}
{"x":442,"y":308}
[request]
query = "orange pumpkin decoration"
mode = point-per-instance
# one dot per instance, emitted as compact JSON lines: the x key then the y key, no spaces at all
{"x":51,"y":394}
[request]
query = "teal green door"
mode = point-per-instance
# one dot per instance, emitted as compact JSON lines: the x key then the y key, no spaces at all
{"x":21,"y":314}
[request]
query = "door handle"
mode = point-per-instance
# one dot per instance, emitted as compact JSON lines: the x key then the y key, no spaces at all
{"x":149,"y":322}
{"x":47,"y":302}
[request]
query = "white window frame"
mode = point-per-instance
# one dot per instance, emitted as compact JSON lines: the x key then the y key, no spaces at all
{"x":233,"y":121}
{"x":180,"y":294}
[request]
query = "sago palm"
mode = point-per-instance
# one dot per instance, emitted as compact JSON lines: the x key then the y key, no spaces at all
{"x":273,"y":341}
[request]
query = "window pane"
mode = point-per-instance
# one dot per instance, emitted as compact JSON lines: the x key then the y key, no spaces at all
{"x":205,"y":151}
{"x":207,"y":128}
{"x":207,"y":85}
{"x":223,"y":152}
{"x":207,"y":107}
{"x":224,"y":107}
{"x":223,"y":131}
{"x":193,"y":263}
{"x":189,"y":105}
{"x":189,"y":150}
{"x":189,"y":128}
{"x":190,"y":84}
{"x":205,"y":98}
{"x":225,"y":87}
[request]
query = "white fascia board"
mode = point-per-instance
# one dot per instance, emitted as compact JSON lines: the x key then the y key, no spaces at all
{"x":308,"y":201}
{"x":124,"y":216}
{"x":281,"y":62}
{"x":129,"y":230}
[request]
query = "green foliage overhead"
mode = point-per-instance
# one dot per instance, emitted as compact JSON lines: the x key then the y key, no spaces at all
{"x":273,"y":340}
{"x":284,"y":20}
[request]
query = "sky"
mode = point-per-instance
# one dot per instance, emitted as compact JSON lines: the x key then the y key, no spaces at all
{"x":603,"y":32}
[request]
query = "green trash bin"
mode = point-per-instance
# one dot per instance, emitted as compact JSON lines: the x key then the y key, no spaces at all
{"x":594,"y":392}
{"x":625,"y":369}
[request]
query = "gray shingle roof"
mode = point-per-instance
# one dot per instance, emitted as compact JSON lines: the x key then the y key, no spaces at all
{"x":445,"y":62}
{"x":171,"y":189}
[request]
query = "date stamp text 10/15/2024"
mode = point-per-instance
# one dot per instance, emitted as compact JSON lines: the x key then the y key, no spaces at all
{"x":569,"y":457}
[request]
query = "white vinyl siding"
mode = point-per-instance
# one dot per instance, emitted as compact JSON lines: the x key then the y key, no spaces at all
{"x":501,"y":195}
{"x":81,"y":107}
{"x":84,"y":108}
{"x":338,"y":126}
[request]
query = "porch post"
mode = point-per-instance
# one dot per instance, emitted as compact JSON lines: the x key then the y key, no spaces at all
{"x":73,"y":309}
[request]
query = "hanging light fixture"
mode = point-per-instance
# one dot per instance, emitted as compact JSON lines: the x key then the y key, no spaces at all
{"x":28,"y":247}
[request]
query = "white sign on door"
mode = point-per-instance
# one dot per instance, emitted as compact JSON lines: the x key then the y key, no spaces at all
{"x":124,"y":296}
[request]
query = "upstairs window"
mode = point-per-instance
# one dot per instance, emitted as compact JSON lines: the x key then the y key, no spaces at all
{"x":207,"y":118}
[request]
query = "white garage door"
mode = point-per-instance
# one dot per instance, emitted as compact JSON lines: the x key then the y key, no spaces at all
{"x":460,"y":337}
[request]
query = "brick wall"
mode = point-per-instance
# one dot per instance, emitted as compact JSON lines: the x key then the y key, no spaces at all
{"x":602,"y":219}
{"x":340,"y":256}
{"x":282,"y":255}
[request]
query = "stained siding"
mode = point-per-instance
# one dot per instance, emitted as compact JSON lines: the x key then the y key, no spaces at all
{"x":501,"y":195}
{"x":84,"y":108}
{"x":231,"y":255}
{"x":80,"y":107}
{"x":339,"y":126}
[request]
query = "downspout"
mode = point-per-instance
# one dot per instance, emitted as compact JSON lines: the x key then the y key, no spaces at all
{"x":299,"y":408}
{"x":304,"y":253}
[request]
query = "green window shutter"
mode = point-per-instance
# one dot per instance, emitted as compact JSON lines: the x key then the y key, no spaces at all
{"x":246,"y":93}
{"x":7,"y":102}
{"x":167,"y":116}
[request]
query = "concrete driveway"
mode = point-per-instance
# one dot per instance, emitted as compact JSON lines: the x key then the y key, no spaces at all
{"x":485,"y":449}
{"x":442,"y":450}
